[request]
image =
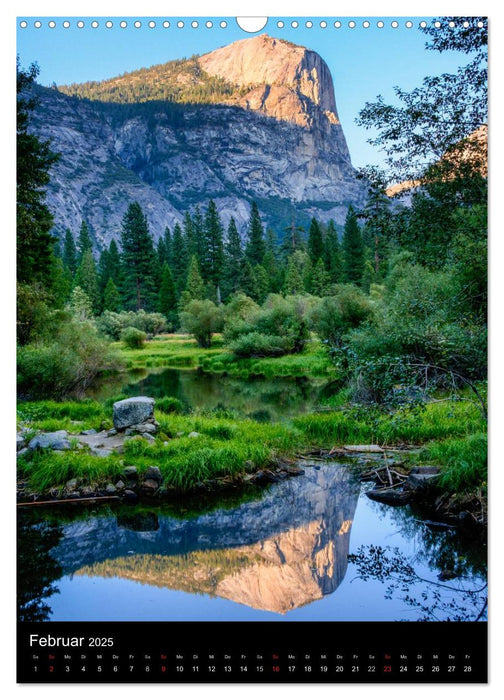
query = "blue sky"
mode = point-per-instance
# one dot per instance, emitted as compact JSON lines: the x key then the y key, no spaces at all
{"x":364,"y":62}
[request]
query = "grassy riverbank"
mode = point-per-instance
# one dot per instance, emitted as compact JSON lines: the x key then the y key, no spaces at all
{"x":451,"y":434}
{"x":182,"y":352}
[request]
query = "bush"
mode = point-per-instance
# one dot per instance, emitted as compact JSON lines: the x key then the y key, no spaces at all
{"x":67,"y":365}
{"x":133,"y":338}
{"x":202,"y":318}
{"x":278,"y":327}
{"x":334,"y":316}
{"x":112,"y":323}
{"x":259,"y":345}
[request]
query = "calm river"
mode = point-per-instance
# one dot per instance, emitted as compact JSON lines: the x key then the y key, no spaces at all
{"x":313,"y":547}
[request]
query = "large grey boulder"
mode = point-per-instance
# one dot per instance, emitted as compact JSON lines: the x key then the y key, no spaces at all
{"x":53,"y":441}
{"x":132,"y":411}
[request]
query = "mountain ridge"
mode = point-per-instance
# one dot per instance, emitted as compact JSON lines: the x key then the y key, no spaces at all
{"x":278,"y":142}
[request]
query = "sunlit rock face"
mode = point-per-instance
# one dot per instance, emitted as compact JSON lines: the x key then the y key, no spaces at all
{"x":277,"y":139}
{"x":281,"y":552}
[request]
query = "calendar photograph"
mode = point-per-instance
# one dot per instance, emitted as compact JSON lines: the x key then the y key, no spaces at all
{"x":251,"y":336}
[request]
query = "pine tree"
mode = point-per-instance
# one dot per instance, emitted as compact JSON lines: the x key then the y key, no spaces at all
{"x":256,"y":248}
{"x":262,"y":284}
{"x":168,"y":247}
{"x":293,"y":279}
{"x":161,"y":251}
{"x":315,"y":242}
{"x":69,"y":252}
{"x":83,"y":241}
{"x":195,"y":286}
{"x":180,"y":260}
{"x":33,"y":218}
{"x":167,"y":302}
{"x":198,"y":225}
{"x":61,"y":282}
{"x":332,"y":254}
{"x":86,"y":278}
{"x":232,"y":260}
{"x":80,"y":305}
{"x":188,"y":233}
{"x":353,"y":249}
{"x":320,"y":279}
{"x":114,"y":262}
{"x":139,"y":260}
{"x":246,"y":279}
{"x":111,"y":298}
{"x":293,"y":239}
{"x":212,"y":254}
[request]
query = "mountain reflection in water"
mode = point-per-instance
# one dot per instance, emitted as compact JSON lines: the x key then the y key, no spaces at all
{"x":277,"y":554}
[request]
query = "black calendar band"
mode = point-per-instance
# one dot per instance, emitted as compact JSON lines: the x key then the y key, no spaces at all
{"x":255,"y":652}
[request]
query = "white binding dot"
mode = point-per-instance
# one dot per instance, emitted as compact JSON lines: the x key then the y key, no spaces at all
{"x":366,"y":24}
{"x":294,"y":24}
{"x":280,"y":24}
{"x":323,"y":24}
{"x":138,"y":24}
{"x":80,"y":24}
{"x":123,"y":24}
{"x":109,"y":24}
{"x":166,"y":24}
{"x":37,"y":24}
{"x":94,"y":24}
{"x":409,"y":24}
{"x":194,"y":25}
{"x":223,"y":24}
{"x":351,"y":24}
{"x":23,"y":24}
{"x":395,"y":24}
{"x":52,"y":24}
{"x":380,"y":24}
{"x":337,"y":24}
{"x":209,"y":24}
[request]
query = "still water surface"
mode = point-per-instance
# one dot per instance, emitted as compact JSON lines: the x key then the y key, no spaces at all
{"x":275,"y":399}
{"x":313,"y":547}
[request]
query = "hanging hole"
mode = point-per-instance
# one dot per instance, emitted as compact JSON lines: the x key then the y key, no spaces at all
{"x":252,"y":24}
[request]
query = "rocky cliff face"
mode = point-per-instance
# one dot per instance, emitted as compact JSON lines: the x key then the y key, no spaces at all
{"x":275,"y":137}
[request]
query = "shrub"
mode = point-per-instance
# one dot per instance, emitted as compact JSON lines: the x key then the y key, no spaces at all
{"x":334,"y":316}
{"x":278,"y":327}
{"x":260,"y":345}
{"x":202,"y":318}
{"x":112,"y":323}
{"x":133,"y":338}
{"x":67,"y":365}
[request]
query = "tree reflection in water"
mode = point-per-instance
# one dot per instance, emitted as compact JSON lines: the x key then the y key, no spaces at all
{"x":437,"y":600}
{"x":36,"y":568}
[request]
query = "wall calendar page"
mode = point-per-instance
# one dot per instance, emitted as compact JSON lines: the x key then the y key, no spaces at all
{"x":251,"y":349}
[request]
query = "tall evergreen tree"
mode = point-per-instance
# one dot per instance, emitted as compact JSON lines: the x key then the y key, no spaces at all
{"x":233,"y":255}
{"x":320,"y":279}
{"x":139,"y":260}
{"x":293,"y":239}
{"x":180,"y":260}
{"x":111,"y":297}
{"x":293,"y":279}
{"x":246,"y":279}
{"x":167,"y":301}
{"x":256,"y":248}
{"x":86,"y":278}
{"x":69,"y":252}
{"x":83,"y":241}
{"x":168,"y":244}
{"x":353,"y":249}
{"x":212,"y":257}
{"x":332,"y":253}
{"x":198,"y":226}
{"x":315,"y":242}
{"x":195,"y":287}
{"x":161,"y":251}
{"x":33,"y":218}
